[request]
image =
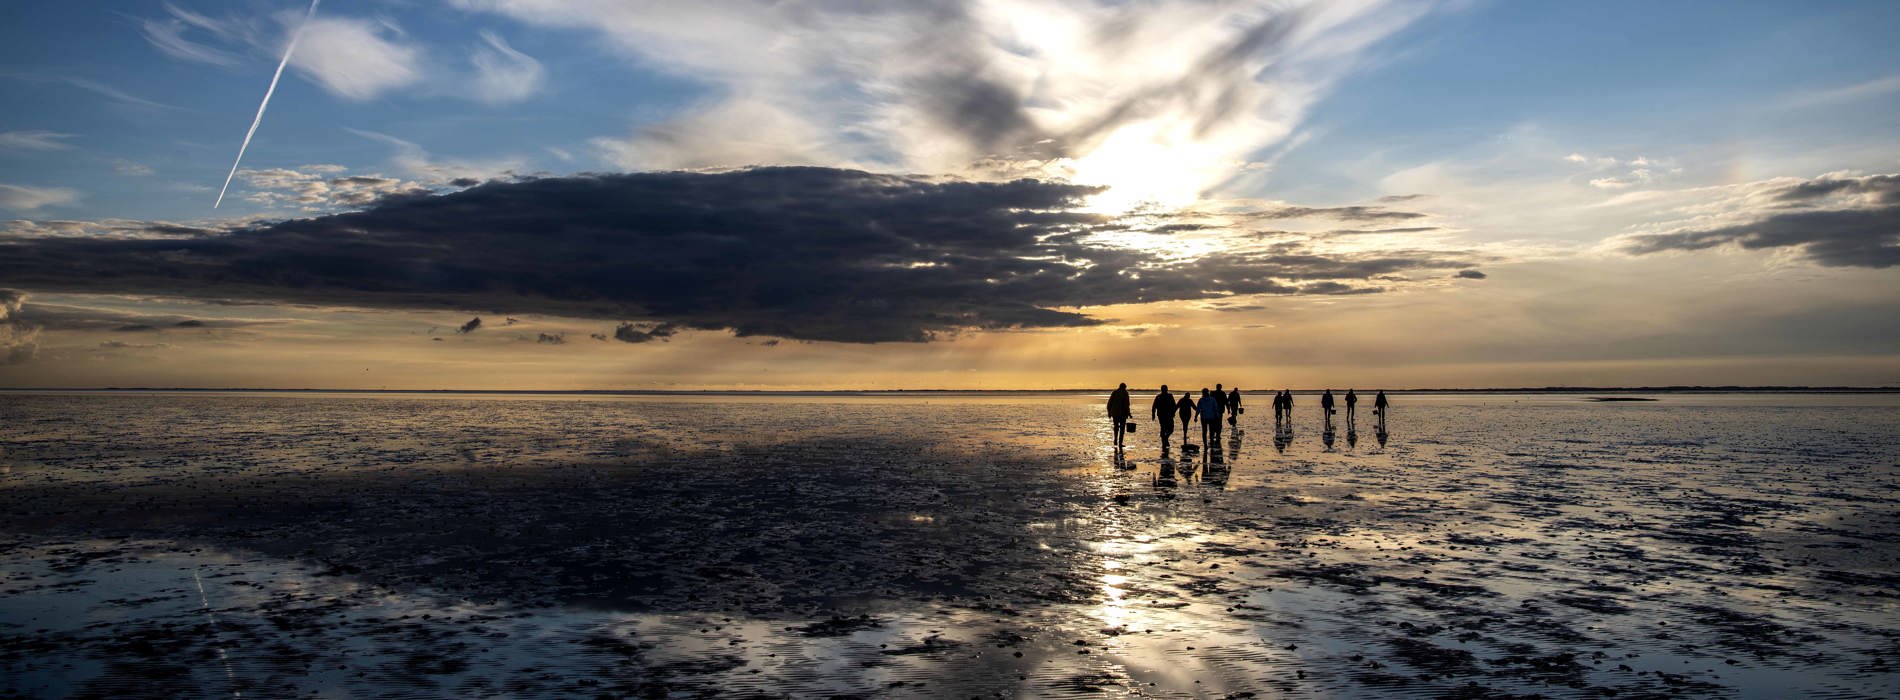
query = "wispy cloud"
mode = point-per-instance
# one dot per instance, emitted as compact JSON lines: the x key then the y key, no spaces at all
{"x":414,"y":161}
{"x":133,"y":168}
{"x":1160,"y":100}
{"x":26,"y":198}
{"x":92,"y":86}
{"x":34,"y":140}
{"x":503,"y":74}
{"x":168,"y":36}
{"x":1849,"y":93}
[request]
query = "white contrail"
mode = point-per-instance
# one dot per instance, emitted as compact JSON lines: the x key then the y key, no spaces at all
{"x":266,"y":103}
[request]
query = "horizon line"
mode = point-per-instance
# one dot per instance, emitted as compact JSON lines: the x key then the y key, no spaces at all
{"x":1730,"y":388}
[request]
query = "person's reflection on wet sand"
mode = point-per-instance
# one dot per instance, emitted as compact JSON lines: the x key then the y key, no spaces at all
{"x":1233,"y":445}
{"x":1216,"y":474}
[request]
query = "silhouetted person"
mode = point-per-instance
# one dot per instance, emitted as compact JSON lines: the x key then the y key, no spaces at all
{"x":1220,"y":397}
{"x":1186,"y":409}
{"x":1352,"y":406}
{"x":1233,"y":407}
{"x":1380,"y":409}
{"x":1211,"y":410}
{"x":1288,"y":409}
{"x":1118,"y":411}
{"x":1379,"y":404}
{"x":1162,"y":411}
{"x":1326,"y":408}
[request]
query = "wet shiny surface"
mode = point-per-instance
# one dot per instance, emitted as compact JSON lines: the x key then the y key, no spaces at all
{"x":200,"y":545}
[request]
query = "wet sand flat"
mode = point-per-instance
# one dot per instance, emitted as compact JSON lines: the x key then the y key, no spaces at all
{"x":171,"y":545}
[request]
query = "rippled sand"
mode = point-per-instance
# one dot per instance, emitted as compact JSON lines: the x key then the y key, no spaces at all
{"x":201,"y":545}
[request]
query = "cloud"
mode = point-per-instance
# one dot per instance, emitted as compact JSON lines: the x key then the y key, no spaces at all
{"x":1348,"y":213}
{"x":1847,"y":93}
{"x":1155,"y":98}
{"x":1337,"y":288}
{"x":412,"y":160}
{"x":737,"y":132}
{"x":1379,"y":231}
{"x":638,"y":333}
{"x":131,"y":168}
{"x":167,"y":35}
{"x":551,"y":338}
{"x":93,"y":86}
{"x":318,"y":188}
{"x":19,"y":340}
{"x":1470,"y":275}
{"x":352,"y":58}
{"x":355,"y":59}
{"x":102,"y":228}
{"x":1863,"y":238}
{"x":63,"y":317}
{"x":1836,"y":220}
{"x":503,"y":74}
{"x":801,"y":253}
{"x":470,"y":327}
{"x":1641,"y":170}
{"x":25,"y":198}
{"x":122,"y":345}
{"x":34,"y":140}
{"x":1884,"y":188}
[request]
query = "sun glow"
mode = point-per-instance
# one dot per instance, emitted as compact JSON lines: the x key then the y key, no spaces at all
{"x":1149,"y":164}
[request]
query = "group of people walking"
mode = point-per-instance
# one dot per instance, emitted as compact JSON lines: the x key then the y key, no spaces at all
{"x":1216,"y":404}
{"x":1326,"y":404}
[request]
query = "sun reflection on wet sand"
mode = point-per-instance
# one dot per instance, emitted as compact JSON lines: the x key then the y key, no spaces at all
{"x":629,"y":547}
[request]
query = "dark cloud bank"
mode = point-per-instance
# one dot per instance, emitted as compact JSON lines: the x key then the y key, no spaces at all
{"x":803,"y":253}
{"x":1866,"y":234}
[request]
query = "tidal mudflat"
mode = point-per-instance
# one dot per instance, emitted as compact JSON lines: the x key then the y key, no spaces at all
{"x":175,"y":545}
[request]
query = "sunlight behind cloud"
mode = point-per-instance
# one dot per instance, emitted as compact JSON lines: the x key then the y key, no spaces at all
{"x":1149,"y":164}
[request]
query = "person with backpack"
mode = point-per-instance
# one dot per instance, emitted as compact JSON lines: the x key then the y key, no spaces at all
{"x":1162,"y":411}
{"x":1211,"y":410}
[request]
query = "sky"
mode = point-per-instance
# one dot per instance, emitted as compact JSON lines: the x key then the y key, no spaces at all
{"x":1002,"y":194}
